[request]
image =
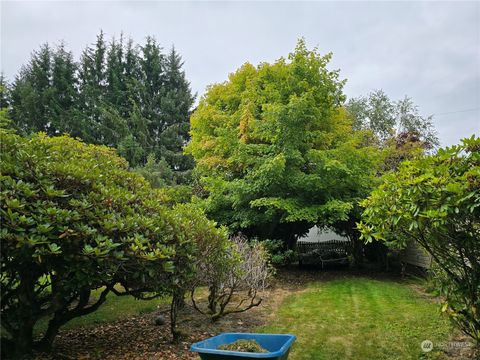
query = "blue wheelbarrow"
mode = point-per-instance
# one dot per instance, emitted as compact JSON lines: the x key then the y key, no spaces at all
{"x":277,"y":345}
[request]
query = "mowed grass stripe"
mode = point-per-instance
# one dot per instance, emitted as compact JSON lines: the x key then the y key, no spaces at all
{"x":360,"y":318}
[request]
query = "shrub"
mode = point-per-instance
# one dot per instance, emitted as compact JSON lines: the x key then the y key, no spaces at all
{"x":157,"y":173}
{"x":240,"y":273}
{"x":205,"y":247}
{"x":74,"y":219}
{"x":278,"y":255}
{"x":435,"y":201}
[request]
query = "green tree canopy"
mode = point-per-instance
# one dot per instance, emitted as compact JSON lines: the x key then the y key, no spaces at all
{"x":44,"y":92}
{"x":275,"y":150}
{"x":389,"y":119}
{"x":132,"y":97}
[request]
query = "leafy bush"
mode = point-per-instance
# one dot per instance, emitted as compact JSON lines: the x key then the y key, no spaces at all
{"x":74,"y":219}
{"x":205,"y":248}
{"x":240,"y":273}
{"x":278,"y":255}
{"x":435,"y":201}
{"x":157,"y":173}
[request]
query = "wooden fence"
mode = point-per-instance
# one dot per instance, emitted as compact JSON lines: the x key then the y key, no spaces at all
{"x":413,"y":254}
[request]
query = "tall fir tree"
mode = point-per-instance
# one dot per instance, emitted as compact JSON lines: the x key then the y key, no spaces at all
{"x":5,"y":101}
{"x":92,"y":81}
{"x":64,"y":91}
{"x":44,"y":92}
{"x":152,"y":67}
{"x":117,"y":77}
{"x":4,"y":93}
{"x":131,"y":97}
{"x":177,"y":101}
{"x":30,"y":108}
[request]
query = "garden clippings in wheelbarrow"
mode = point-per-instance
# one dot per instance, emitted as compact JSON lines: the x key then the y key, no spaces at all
{"x":243,"y":345}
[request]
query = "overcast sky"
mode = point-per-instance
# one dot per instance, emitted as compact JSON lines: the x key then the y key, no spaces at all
{"x":428,"y":51}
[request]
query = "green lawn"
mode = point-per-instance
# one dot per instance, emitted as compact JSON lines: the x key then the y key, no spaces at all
{"x":359,"y":318}
{"x":351,"y":318}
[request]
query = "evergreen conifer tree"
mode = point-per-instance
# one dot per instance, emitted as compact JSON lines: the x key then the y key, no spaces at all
{"x":134,"y":98}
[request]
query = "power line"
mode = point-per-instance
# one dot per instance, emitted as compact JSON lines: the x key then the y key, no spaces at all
{"x":458,"y":111}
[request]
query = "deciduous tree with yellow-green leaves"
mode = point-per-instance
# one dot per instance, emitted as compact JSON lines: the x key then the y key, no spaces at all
{"x":275,"y":149}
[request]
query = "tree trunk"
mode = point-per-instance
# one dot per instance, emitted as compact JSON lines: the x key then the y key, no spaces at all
{"x":177,"y":298}
{"x":212,"y":299}
{"x":23,"y":341}
{"x":23,"y":334}
{"x":181,"y":299}
{"x":357,"y":252}
{"x":64,"y":315}
{"x":291,"y":242}
{"x":47,"y":341}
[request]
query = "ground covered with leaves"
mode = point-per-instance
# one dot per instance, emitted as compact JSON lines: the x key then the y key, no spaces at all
{"x":137,"y":337}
